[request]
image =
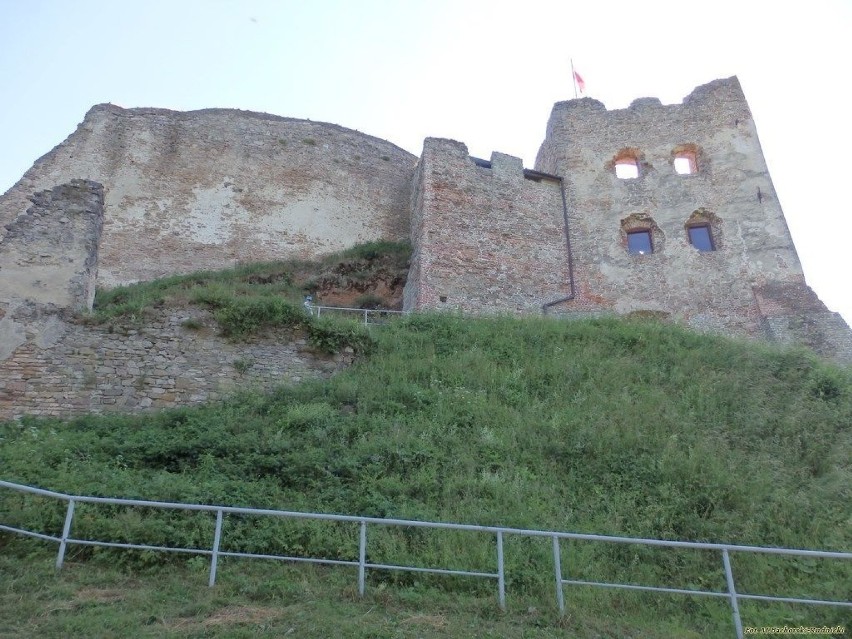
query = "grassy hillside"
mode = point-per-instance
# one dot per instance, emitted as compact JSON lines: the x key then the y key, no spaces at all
{"x":605,"y":426}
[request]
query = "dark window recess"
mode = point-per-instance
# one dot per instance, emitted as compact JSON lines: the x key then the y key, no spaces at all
{"x":701,"y":237}
{"x":639,"y":243}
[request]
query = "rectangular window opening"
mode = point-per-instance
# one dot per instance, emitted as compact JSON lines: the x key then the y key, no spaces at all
{"x":701,"y":237}
{"x":639,"y":242}
{"x":685,"y":164}
{"x":627,"y":170}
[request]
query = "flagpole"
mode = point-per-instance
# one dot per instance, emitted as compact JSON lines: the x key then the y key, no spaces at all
{"x":573,"y":77}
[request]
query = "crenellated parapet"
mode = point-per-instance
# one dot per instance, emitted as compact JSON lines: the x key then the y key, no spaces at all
{"x":488,"y":235}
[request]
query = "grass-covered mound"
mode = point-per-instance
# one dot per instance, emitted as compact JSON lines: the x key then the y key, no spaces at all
{"x":605,"y":426}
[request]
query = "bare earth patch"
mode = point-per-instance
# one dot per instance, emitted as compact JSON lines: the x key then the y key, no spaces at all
{"x":434,"y":621}
{"x":229,"y":616}
{"x":241,"y":614}
{"x":98,"y":595}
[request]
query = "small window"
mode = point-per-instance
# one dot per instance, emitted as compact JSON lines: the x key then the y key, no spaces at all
{"x":701,"y":237}
{"x":639,"y":242}
{"x":627,"y":169}
{"x":685,"y":163}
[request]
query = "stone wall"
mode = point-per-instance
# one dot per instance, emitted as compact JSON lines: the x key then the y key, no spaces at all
{"x":731,"y":192}
{"x":488,"y":236}
{"x":50,"y":253}
{"x":793,"y":314}
{"x":174,"y":357}
{"x":732,"y":289}
{"x":208,"y":189}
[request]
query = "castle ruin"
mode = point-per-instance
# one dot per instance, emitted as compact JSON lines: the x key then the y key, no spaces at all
{"x":664,"y":210}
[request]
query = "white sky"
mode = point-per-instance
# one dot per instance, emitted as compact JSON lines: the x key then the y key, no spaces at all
{"x":485,"y":73}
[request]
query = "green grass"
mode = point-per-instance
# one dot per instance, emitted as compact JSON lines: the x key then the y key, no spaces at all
{"x":604,"y":426}
{"x":251,"y":599}
{"x":248,"y":299}
{"x":251,"y":284}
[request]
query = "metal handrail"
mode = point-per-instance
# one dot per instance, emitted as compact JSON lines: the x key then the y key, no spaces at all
{"x":317,"y":310}
{"x":362,"y":564}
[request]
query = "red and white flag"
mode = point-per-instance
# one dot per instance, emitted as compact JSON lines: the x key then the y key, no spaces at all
{"x":581,"y":84}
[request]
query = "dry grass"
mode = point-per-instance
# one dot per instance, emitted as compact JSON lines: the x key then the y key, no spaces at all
{"x":98,"y":595}
{"x":231,"y":615}
{"x":227,"y":616}
{"x":438,"y":622}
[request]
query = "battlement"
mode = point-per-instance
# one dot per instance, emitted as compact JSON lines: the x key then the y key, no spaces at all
{"x":710,"y":95}
{"x":488,"y":236}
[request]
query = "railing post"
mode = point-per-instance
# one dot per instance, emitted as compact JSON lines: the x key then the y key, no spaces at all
{"x":319,"y":310}
{"x":501,"y":573}
{"x":362,"y":557}
{"x":214,"y":558}
{"x":557,"y":571}
{"x":729,"y":577}
{"x":365,"y":317}
{"x":66,"y":530}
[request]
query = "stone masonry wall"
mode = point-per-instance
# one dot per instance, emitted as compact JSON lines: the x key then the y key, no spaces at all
{"x":50,"y":253}
{"x":69,"y":368}
{"x":731,"y":191}
{"x":486,"y":239}
{"x":208,"y":189}
{"x":793,"y":314}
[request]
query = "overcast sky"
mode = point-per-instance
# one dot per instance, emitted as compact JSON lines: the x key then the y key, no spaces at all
{"x":485,"y":73}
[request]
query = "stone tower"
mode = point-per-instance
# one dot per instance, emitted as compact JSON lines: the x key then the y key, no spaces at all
{"x":672,"y":209}
{"x":666,"y":210}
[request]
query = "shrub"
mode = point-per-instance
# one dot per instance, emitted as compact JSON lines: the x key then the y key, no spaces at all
{"x":244,"y":316}
{"x":332,"y":334}
{"x":243,"y":364}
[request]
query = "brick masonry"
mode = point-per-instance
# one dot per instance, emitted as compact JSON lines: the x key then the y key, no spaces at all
{"x":488,"y":237}
{"x":52,"y":363}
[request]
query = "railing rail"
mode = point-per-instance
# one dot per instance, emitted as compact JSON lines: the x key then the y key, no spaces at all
{"x":363,"y":565}
{"x":370,"y":315}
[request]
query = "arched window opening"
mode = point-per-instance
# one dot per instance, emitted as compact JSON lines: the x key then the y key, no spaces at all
{"x":687,"y":159}
{"x":641,"y":235}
